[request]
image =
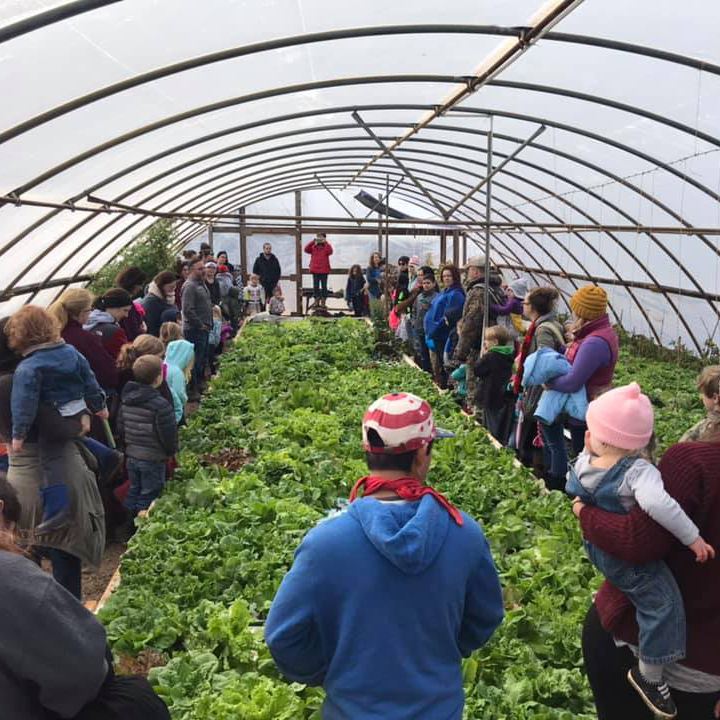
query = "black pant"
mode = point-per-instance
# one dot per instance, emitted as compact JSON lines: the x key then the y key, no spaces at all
{"x":125,"y":698}
{"x":615,"y":699}
{"x":268,"y":288}
{"x":320,"y":289}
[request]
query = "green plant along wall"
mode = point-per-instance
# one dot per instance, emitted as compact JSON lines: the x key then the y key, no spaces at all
{"x":201,"y":573}
{"x":151,"y":253}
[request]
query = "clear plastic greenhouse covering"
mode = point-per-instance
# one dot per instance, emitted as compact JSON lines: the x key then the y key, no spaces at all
{"x":190,"y":107}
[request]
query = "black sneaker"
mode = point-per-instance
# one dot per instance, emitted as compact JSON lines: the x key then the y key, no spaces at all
{"x":656,"y":697}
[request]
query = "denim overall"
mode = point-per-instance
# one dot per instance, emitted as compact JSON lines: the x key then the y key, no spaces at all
{"x":650,"y":587}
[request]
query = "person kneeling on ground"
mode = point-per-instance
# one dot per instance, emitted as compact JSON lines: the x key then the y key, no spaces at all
{"x":385,"y":599}
{"x":147,"y":429}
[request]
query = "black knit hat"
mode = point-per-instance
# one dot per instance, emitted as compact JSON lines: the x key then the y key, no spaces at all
{"x":114,"y":298}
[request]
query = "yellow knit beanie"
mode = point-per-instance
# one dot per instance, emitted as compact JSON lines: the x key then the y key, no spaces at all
{"x":589,"y":302}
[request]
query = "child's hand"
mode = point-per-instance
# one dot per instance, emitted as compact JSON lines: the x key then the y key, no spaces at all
{"x":103,"y":414}
{"x":577,"y":506}
{"x":702,"y":550}
{"x":17,"y":444}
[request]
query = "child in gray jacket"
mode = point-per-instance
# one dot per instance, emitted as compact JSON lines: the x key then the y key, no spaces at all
{"x":147,"y":429}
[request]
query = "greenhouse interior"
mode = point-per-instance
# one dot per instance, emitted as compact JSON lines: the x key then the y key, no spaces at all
{"x":365,"y":359}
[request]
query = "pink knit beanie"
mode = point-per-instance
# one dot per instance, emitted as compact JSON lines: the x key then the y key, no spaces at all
{"x":622,"y":417}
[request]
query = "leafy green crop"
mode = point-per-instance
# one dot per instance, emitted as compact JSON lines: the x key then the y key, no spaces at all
{"x":201,"y":573}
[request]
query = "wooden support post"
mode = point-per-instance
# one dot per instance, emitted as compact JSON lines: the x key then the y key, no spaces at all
{"x":456,"y":248}
{"x":243,"y":245}
{"x":443,"y":249}
{"x":298,"y":254}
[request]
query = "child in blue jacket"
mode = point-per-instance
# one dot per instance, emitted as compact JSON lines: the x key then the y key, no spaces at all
{"x":55,"y":374}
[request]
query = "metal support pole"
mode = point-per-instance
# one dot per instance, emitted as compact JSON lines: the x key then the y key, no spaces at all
{"x":338,"y":200}
{"x":456,"y":248}
{"x":298,"y":254}
{"x":464,"y":248}
{"x":489,"y":175}
{"x":443,"y":249}
{"x":400,"y":164}
{"x":243,"y":244}
{"x":380,"y":228}
{"x":387,"y":218}
{"x":488,"y":208}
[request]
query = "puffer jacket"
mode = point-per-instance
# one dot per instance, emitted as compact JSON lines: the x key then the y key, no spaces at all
{"x":146,"y":424}
{"x":543,"y":366}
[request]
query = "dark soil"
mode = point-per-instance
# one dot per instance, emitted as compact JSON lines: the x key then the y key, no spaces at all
{"x":230,"y":458}
{"x":94,"y":582}
{"x":141,"y":664}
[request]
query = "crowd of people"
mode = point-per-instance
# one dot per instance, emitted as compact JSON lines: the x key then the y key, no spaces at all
{"x":89,"y":375}
{"x":544,"y":388}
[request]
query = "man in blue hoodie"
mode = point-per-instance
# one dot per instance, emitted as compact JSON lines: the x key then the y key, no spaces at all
{"x":384,"y":600}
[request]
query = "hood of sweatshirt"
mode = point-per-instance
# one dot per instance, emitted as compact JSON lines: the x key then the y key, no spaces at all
{"x":408,"y":534}
{"x":179,"y":353}
{"x":135,"y":393}
{"x":97,"y":317}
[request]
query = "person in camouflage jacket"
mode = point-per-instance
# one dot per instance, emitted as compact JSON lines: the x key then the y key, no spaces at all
{"x":469,"y":344}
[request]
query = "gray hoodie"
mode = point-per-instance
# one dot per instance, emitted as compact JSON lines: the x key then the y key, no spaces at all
{"x":52,"y":654}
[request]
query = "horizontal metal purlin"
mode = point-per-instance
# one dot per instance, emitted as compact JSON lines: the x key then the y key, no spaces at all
{"x":332,"y":230}
{"x":36,"y":287}
{"x":714,"y":297}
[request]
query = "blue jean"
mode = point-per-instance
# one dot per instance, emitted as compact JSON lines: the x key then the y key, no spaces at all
{"x":199,"y":339}
{"x":105,"y":456}
{"x":554,"y":448}
{"x":147,"y":481}
{"x":659,"y":607}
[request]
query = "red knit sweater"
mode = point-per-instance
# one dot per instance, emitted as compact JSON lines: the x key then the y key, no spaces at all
{"x":691,"y":473}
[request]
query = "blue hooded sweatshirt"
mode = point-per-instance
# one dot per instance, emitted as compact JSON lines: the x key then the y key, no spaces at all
{"x":178,"y":355}
{"x":543,"y":366}
{"x":441,"y":318}
{"x":379,"y":607}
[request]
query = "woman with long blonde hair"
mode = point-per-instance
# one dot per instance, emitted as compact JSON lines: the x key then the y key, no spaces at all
{"x":71,"y":311}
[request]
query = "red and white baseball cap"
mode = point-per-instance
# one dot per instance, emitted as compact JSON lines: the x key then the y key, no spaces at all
{"x":404,"y":423}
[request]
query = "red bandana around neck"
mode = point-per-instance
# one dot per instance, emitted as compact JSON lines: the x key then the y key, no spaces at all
{"x":408,"y":488}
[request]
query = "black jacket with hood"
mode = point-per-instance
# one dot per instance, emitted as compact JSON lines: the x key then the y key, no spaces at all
{"x":268,"y":268}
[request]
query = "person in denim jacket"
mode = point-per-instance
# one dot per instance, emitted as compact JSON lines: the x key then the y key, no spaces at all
{"x":55,"y":374}
{"x":612,"y":474}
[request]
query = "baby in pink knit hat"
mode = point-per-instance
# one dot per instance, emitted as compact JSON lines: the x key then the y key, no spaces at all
{"x":612,"y":474}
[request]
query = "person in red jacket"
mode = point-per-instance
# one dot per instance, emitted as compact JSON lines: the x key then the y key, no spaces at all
{"x":71,"y":311}
{"x":690,"y":474}
{"x":320,"y":251}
